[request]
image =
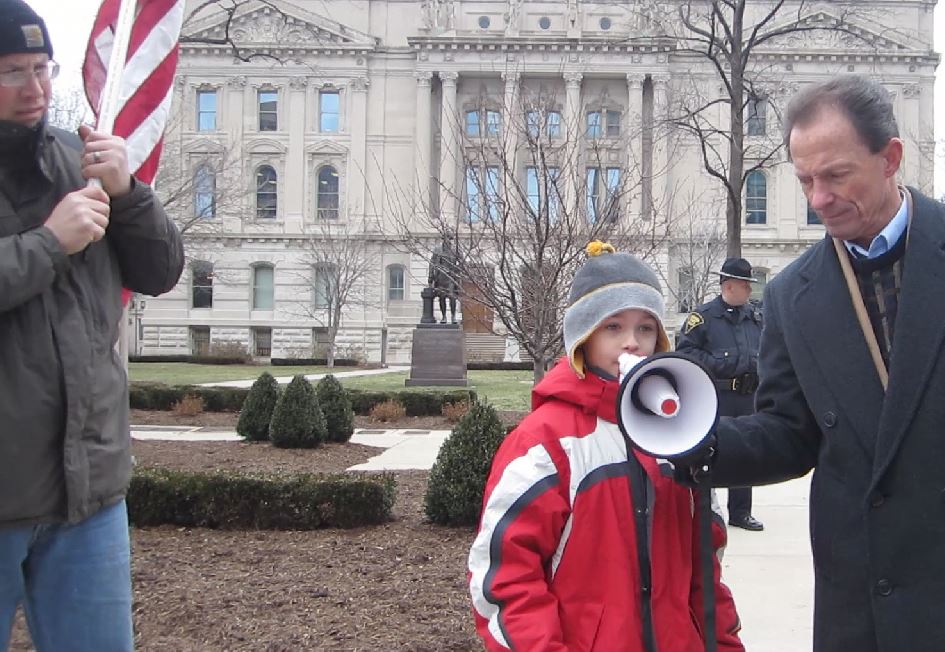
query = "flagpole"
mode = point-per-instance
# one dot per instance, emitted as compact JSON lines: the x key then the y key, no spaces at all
{"x":107,"y":112}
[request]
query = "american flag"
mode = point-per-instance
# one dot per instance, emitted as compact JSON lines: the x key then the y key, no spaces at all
{"x":147,"y":82}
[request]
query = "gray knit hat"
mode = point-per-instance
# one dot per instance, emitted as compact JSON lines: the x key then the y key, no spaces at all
{"x":606,"y":284}
{"x":22,"y":31}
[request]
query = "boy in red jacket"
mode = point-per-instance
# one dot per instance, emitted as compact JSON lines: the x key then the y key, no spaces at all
{"x":583,"y":543}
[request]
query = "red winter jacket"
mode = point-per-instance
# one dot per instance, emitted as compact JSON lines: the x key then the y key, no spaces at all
{"x":554,"y":566}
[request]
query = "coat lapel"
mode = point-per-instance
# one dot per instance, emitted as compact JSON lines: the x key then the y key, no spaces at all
{"x":824,"y":313}
{"x":920,"y":329}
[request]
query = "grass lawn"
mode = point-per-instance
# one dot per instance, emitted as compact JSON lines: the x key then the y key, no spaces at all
{"x":504,"y":390}
{"x":185,"y":373}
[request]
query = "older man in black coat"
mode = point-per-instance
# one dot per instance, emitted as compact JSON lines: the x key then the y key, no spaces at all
{"x":853,"y":379}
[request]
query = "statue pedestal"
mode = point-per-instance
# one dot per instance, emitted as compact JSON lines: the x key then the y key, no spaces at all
{"x":438,"y":356}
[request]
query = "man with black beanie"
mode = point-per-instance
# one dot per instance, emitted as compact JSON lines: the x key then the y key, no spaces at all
{"x":66,"y":250}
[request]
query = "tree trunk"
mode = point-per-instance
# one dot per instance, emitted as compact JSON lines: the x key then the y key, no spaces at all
{"x":736,"y":152}
{"x":538,"y":368}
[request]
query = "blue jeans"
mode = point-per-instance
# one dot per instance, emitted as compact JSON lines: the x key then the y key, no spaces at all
{"x":74,"y":582}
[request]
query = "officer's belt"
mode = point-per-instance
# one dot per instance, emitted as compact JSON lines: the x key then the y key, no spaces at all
{"x":744,"y":384}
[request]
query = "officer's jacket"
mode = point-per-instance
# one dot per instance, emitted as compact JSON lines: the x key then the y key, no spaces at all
{"x":724,"y":338}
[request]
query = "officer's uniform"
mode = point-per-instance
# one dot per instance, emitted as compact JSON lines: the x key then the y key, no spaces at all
{"x":726,"y":340}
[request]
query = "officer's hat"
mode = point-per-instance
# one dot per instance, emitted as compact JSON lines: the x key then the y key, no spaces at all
{"x":738,"y":268}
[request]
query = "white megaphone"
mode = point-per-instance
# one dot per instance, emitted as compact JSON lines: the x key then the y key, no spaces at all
{"x":667,"y":404}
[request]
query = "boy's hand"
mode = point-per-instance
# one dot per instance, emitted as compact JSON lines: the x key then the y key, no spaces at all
{"x":106,"y":158}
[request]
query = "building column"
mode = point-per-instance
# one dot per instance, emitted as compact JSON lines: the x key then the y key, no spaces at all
{"x":511,"y":120}
{"x":633,"y":181}
{"x":422,"y":140}
{"x":356,"y":181}
{"x":661,"y":143}
{"x":294,"y":118}
{"x":574,"y":136}
{"x":450,"y":154}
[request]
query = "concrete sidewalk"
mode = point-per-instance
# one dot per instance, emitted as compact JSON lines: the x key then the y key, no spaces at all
{"x":770,"y":572}
{"x":284,"y":380}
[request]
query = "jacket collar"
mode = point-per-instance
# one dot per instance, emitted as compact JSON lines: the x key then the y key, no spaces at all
{"x":592,"y":394}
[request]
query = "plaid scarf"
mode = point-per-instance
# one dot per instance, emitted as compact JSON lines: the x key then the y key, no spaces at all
{"x":880,"y":281}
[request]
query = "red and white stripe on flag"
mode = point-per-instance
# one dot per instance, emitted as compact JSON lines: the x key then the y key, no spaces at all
{"x":147,"y":82}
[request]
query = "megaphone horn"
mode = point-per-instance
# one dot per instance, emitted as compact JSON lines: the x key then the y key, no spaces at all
{"x":667,"y":405}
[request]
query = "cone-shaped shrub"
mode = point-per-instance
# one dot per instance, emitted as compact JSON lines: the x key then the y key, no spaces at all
{"x":257,"y":409}
{"x":336,"y":406}
{"x":297,"y":421}
{"x":458,"y":478}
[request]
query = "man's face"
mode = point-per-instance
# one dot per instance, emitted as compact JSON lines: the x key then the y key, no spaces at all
{"x":25,"y":104}
{"x":735,"y":291}
{"x":852,"y":190}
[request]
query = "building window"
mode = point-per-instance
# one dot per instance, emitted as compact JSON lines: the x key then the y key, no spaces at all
{"x":206,"y":110}
{"x":482,"y":193}
{"x":686,"y":295}
{"x":473,"y":194}
{"x":262,"y":342}
{"x":268,"y":110}
{"x":329,"y":110}
{"x":324,"y":287}
{"x":756,"y":198}
{"x":603,"y":123}
{"x":326,"y":200}
{"x":263,"y":287}
{"x":200,"y":340}
{"x":812,"y":217}
{"x":396,"y":279}
{"x":541,"y":187}
{"x":756,"y":121}
{"x":487,"y":119}
{"x":205,"y":189}
{"x":603,"y":186}
{"x":202,"y":284}
{"x":758,"y":287}
{"x":543,"y":123}
{"x":266,"y":195}
{"x":484,"y":22}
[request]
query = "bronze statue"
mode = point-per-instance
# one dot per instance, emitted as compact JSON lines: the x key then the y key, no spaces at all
{"x":442,"y":278}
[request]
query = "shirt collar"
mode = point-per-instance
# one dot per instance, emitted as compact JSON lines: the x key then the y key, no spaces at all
{"x":887,"y":237}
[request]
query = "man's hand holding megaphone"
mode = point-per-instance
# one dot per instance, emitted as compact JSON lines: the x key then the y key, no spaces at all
{"x":668,"y":408}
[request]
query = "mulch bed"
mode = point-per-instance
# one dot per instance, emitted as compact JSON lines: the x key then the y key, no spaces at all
{"x":399,"y":586}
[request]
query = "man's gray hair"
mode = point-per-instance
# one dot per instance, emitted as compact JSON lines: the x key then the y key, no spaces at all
{"x":864,"y":101}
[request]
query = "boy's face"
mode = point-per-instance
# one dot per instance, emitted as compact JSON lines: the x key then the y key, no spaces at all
{"x":629,"y":331}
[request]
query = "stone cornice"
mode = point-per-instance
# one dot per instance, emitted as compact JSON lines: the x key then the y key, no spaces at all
{"x":539,"y":44}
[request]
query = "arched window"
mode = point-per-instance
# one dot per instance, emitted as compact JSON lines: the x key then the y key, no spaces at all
{"x":263,"y":287}
{"x":266,"y":195}
{"x":326,"y":199}
{"x":205,"y":188}
{"x":396,"y":283}
{"x":201,"y":285}
{"x":756,"y":198}
{"x":324,"y":285}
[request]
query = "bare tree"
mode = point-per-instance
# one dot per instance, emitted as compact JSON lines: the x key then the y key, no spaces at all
{"x":535,"y":189}
{"x":68,"y":108}
{"x":731,"y":36}
{"x":335,"y":277}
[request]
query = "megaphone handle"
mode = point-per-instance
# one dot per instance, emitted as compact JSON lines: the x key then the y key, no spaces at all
{"x":707,"y":564}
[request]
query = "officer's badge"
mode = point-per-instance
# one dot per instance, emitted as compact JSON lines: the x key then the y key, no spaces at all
{"x":694,"y":319}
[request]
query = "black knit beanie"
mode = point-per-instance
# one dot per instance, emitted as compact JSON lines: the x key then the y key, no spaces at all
{"x":22,"y":31}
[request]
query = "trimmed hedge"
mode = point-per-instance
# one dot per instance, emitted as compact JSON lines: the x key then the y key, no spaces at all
{"x":297,"y":420}
{"x":256,"y":502}
{"x":417,"y":404}
{"x":157,"y":396}
{"x":336,"y":406}
{"x":480,"y":365}
{"x":192,"y":359}
{"x":257,"y":409}
{"x":310,"y":362}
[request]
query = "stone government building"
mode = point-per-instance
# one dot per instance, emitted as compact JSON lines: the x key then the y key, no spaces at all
{"x":331,"y":136}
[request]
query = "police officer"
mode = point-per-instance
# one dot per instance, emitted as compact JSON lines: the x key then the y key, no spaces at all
{"x":725,"y":335}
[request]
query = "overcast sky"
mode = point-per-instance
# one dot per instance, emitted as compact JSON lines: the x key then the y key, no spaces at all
{"x":69,"y":23}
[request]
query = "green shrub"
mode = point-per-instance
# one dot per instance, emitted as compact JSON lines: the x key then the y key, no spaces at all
{"x":297,"y":421}
{"x":235,"y":501}
{"x":417,"y":404}
{"x":458,"y":478}
{"x":257,"y":408}
{"x":158,"y":396}
{"x":336,"y":406}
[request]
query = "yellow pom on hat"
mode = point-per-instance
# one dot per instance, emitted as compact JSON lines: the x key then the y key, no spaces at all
{"x":596,"y":248}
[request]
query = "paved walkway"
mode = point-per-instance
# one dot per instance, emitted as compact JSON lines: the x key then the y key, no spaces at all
{"x":284,"y":380}
{"x":769,"y":572}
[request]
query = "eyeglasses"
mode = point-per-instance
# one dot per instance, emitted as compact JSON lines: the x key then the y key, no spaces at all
{"x":19,"y":77}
